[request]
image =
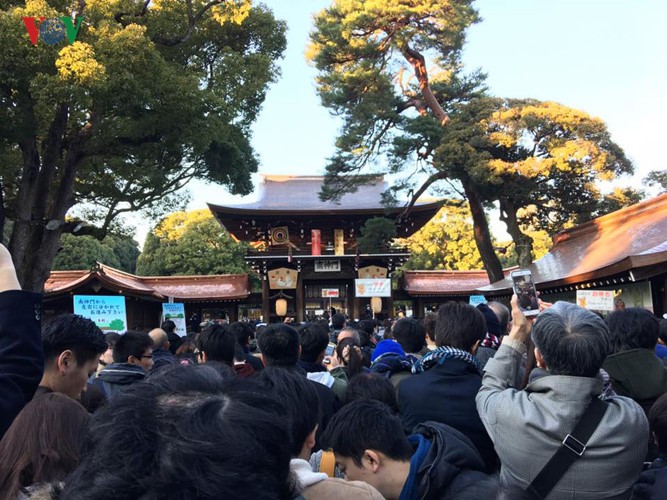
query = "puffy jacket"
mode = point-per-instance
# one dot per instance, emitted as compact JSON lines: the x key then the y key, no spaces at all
{"x":115,"y":377}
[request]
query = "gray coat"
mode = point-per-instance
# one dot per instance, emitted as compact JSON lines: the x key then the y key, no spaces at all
{"x":527,"y":427}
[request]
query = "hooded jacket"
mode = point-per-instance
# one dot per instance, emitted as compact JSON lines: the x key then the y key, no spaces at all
{"x":115,"y":377}
{"x":638,"y":374}
{"x":448,"y":466}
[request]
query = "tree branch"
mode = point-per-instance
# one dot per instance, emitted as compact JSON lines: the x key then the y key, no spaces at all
{"x":193,"y":19}
{"x":434,"y":178}
{"x":419,"y":64}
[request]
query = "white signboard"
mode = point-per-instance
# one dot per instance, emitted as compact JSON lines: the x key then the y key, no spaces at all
{"x":597,"y":300}
{"x":176,"y":313}
{"x":372,"y":288}
{"x":475,"y":300}
{"x":330,"y":292}
{"x":107,"y":311}
{"x":327,"y":266}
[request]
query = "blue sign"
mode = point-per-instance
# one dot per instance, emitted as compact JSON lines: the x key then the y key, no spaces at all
{"x":475,"y":300}
{"x":107,"y":311}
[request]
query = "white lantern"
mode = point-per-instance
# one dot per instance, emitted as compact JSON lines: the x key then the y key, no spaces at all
{"x":376,"y":304}
{"x":281,"y":307}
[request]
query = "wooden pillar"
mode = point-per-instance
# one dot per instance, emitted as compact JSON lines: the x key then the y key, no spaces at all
{"x":390,"y":306}
{"x":300,"y":306}
{"x":266,"y":303}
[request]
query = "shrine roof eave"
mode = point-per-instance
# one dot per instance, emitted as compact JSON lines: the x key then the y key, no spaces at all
{"x":221,"y":211}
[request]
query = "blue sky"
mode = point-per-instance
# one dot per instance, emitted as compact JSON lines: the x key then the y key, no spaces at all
{"x":607,"y":57}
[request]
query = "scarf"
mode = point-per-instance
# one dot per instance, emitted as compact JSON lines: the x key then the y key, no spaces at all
{"x":390,"y":363}
{"x":491,"y":340}
{"x":441,"y":355}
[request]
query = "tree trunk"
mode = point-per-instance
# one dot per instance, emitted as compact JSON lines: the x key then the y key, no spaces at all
{"x":482,"y":233}
{"x":522,"y":242}
{"x":46,"y":193}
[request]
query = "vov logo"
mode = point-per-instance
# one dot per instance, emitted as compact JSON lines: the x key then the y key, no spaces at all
{"x":53,"y":30}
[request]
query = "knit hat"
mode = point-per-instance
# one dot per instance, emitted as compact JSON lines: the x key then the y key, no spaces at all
{"x":387,"y":346}
{"x":492,"y":321}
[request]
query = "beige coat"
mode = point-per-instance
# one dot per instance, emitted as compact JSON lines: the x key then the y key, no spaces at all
{"x":317,"y":486}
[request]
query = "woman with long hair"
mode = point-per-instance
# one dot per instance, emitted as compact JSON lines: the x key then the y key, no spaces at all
{"x":350,"y":356}
{"x":42,"y":446}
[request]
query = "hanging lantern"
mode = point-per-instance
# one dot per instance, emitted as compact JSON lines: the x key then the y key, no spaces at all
{"x":376,"y":304}
{"x":281,"y":307}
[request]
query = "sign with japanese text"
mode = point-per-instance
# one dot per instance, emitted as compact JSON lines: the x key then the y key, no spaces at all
{"x":339,"y":242}
{"x":330,"y":292}
{"x":175,"y":312}
{"x":327,"y":266}
{"x":107,"y":311}
{"x":372,"y":288}
{"x":315,"y":242}
{"x":596,"y":300}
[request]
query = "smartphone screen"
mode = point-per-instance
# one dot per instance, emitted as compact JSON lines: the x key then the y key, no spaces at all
{"x":524,"y":288}
{"x":330,"y":349}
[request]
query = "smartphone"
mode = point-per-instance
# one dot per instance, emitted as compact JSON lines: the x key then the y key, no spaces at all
{"x":524,"y":288}
{"x":330,"y":349}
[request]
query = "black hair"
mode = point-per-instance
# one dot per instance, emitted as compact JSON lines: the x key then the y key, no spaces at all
{"x":410,"y":333}
{"x":218,"y":342}
{"x":366,"y":386}
{"x":239,"y":354}
{"x":313,"y":340}
{"x":186,"y":433}
{"x":168,"y":326}
{"x":633,"y":328}
{"x":111,"y":338}
{"x":243,"y":331}
{"x":355,"y":358}
{"x":429,"y":325}
{"x":337,"y":321}
{"x":75,"y":333}
{"x":279,"y":344}
{"x":367,"y":425}
{"x":131,"y":344}
{"x":459,"y":325}
{"x":300,"y":400}
{"x":366,"y":328}
{"x":663,"y":330}
{"x":657,"y":419}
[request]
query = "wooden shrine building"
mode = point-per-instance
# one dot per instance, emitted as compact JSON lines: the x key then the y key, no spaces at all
{"x":305,"y":250}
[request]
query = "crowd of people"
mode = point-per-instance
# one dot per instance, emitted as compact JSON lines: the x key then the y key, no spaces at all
{"x":467,"y":403}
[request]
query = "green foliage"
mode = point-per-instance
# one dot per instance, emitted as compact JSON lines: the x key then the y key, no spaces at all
{"x":191,"y":243}
{"x":117,"y":325}
{"x":81,"y":252}
{"x":146,"y":99}
{"x":657,"y":179}
{"x":446,"y":242}
{"x":617,"y":199}
{"x":376,"y":234}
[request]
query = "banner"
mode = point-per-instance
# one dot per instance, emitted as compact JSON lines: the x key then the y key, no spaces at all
{"x":175,"y":312}
{"x":327,"y":266}
{"x":330,"y":292}
{"x":315,"y":242}
{"x":283,"y":278}
{"x":107,"y":311}
{"x":339,"y":242}
{"x":372,"y":288}
{"x":597,"y":300}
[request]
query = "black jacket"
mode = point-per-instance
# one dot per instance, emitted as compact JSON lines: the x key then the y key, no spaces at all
{"x":652,"y":483}
{"x":162,"y":358}
{"x":21,"y":358}
{"x":446,"y":393}
{"x":115,"y":377}
{"x":452,"y":468}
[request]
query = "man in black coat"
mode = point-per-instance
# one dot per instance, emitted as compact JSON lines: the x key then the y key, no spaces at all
{"x":448,"y":379}
{"x":436,"y":462}
{"x":21,"y":359}
{"x":279,"y":345}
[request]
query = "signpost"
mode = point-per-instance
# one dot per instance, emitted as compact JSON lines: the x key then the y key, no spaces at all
{"x":175,"y":312}
{"x":596,"y":300}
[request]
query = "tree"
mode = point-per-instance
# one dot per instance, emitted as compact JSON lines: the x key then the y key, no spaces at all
{"x":376,"y":234}
{"x":538,"y":160}
{"x":657,"y":179}
{"x":186,"y":243}
{"x":149,"y":96}
{"x":82,"y":252}
{"x":446,"y":242}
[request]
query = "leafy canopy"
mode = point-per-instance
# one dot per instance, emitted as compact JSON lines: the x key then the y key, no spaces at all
{"x":191,"y":243}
